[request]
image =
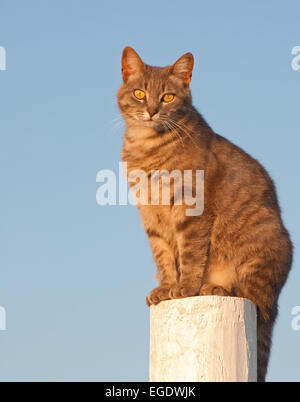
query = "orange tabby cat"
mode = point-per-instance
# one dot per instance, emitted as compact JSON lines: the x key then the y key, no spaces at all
{"x":238,"y":246}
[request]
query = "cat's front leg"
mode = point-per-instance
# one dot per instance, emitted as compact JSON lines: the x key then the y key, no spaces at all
{"x":193,"y":238}
{"x":166,"y":268}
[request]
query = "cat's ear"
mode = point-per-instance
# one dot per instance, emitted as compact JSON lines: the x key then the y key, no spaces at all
{"x":183,"y":68}
{"x":131,"y":63}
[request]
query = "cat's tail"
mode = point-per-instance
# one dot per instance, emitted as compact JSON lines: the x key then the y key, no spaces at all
{"x":265,"y":324}
{"x":261,"y":281}
{"x":264,"y":342}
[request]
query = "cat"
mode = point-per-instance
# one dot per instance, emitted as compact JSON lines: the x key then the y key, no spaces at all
{"x":238,"y":246}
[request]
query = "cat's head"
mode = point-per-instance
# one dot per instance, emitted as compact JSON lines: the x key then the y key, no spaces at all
{"x":155,"y":97}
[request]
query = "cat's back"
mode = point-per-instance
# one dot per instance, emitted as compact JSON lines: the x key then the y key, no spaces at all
{"x":235,"y":160}
{"x":242,"y":175}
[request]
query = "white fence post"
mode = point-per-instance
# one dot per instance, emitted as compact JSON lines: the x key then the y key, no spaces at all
{"x":203,"y":338}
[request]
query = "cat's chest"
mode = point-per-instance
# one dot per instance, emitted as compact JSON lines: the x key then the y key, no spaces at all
{"x":145,"y":149}
{"x":157,"y":218}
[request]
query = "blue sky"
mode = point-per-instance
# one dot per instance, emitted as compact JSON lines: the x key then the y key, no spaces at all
{"x":74,"y":275}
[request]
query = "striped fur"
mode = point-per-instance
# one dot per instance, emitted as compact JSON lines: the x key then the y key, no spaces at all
{"x":239,"y":245}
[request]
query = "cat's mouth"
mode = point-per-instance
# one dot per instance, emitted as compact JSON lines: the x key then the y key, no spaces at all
{"x":151,"y":123}
{"x":148,"y":122}
{"x":145,"y":120}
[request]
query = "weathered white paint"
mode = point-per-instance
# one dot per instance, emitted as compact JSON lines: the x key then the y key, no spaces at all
{"x":203,"y":338}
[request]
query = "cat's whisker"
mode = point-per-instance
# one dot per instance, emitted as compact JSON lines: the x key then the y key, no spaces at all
{"x":175,"y":131}
{"x":116,"y":124}
{"x":171,"y":131}
{"x":186,"y":131}
{"x":175,"y":127}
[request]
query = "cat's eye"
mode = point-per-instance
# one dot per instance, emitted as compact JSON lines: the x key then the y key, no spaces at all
{"x":139,"y":94}
{"x":167,"y":98}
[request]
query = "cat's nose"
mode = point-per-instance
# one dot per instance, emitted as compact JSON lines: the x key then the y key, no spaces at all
{"x":152,"y":112}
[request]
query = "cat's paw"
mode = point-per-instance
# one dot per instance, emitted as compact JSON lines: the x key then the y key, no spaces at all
{"x":209,"y":289}
{"x":179,"y":291}
{"x":158,"y":294}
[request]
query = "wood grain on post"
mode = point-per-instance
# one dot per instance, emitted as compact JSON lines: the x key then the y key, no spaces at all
{"x":203,"y":338}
